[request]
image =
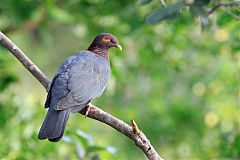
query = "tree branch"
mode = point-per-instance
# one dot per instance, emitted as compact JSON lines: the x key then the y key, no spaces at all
{"x":231,"y":14}
{"x":96,"y":113}
{"x":231,"y":4}
{"x":27,"y":63}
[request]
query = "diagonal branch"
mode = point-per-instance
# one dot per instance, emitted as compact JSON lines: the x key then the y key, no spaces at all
{"x":230,"y":4}
{"x":231,"y":14}
{"x":27,"y":63}
{"x":96,"y":113}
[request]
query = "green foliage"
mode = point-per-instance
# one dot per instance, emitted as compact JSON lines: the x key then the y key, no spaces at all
{"x":6,"y":77}
{"x":197,"y":9}
{"x":84,"y":146}
{"x":179,"y":84}
{"x":169,"y":12}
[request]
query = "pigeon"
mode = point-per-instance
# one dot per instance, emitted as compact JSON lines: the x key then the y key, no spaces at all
{"x":81,"y":78}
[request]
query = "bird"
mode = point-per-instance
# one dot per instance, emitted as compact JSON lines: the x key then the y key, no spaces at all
{"x":80,"y":78}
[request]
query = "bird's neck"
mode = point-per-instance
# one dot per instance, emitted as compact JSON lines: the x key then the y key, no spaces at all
{"x":99,"y":51}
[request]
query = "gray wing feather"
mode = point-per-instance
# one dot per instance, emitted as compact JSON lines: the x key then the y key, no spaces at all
{"x":58,"y":88}
{"x":85,"y":77}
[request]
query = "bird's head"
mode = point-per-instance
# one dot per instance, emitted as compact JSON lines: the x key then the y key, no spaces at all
{"x":105,"y":41}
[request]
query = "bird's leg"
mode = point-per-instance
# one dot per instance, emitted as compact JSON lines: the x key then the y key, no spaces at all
{"x":88,"y":109}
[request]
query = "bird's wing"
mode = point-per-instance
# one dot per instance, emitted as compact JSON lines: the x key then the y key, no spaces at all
{"x":48,"y":100}
{"x":59,"y":84}
{"x":86,"y":76}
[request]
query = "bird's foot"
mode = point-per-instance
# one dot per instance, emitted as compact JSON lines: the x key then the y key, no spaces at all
{"x":88,"y":109}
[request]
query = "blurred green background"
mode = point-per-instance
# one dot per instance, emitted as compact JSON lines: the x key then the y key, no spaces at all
{"x":178,"y":79}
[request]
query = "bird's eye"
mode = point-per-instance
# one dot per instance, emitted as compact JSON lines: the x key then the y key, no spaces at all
{"x":106,"y":39}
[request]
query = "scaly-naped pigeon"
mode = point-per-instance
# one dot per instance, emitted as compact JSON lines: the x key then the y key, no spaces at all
{"x":81,"y":78}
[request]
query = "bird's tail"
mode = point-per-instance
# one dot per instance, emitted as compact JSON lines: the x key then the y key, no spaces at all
{"x":54,"y":125}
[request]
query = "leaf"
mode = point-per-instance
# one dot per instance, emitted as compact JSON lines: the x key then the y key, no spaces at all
{"x":201,"y":2}
{"x":80,"y":151}
{"x":144,"y":2}
{"x":95,"y":148}
{"x":169,"y":12}
{"x":85,"y":138}
{"x":67,"y":139}
{"x":199,"y":11}
{"x":111,"y":149}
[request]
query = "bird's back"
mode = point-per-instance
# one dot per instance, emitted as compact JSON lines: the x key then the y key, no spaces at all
{"x":80,"y":78}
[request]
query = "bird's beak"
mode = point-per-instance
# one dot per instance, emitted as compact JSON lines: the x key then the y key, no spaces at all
{"x":119,"y":46}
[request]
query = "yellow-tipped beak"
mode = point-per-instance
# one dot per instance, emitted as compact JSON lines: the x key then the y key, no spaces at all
{"x":119,"y":46}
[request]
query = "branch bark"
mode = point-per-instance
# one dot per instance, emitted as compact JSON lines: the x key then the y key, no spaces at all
{"x":96,"y":113}
{"x":231,"y":4}
{"x":27,"y":63}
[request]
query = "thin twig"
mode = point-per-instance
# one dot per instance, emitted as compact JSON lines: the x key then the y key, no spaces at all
{"x":135,"y":128}
{"x":95,"y":113}
{"x":231,"y":14}
{"x":231,"y":4}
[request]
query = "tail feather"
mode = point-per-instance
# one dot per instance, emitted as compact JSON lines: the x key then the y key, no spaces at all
{"x":54,"y":125}
{"x":62,"y":132}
